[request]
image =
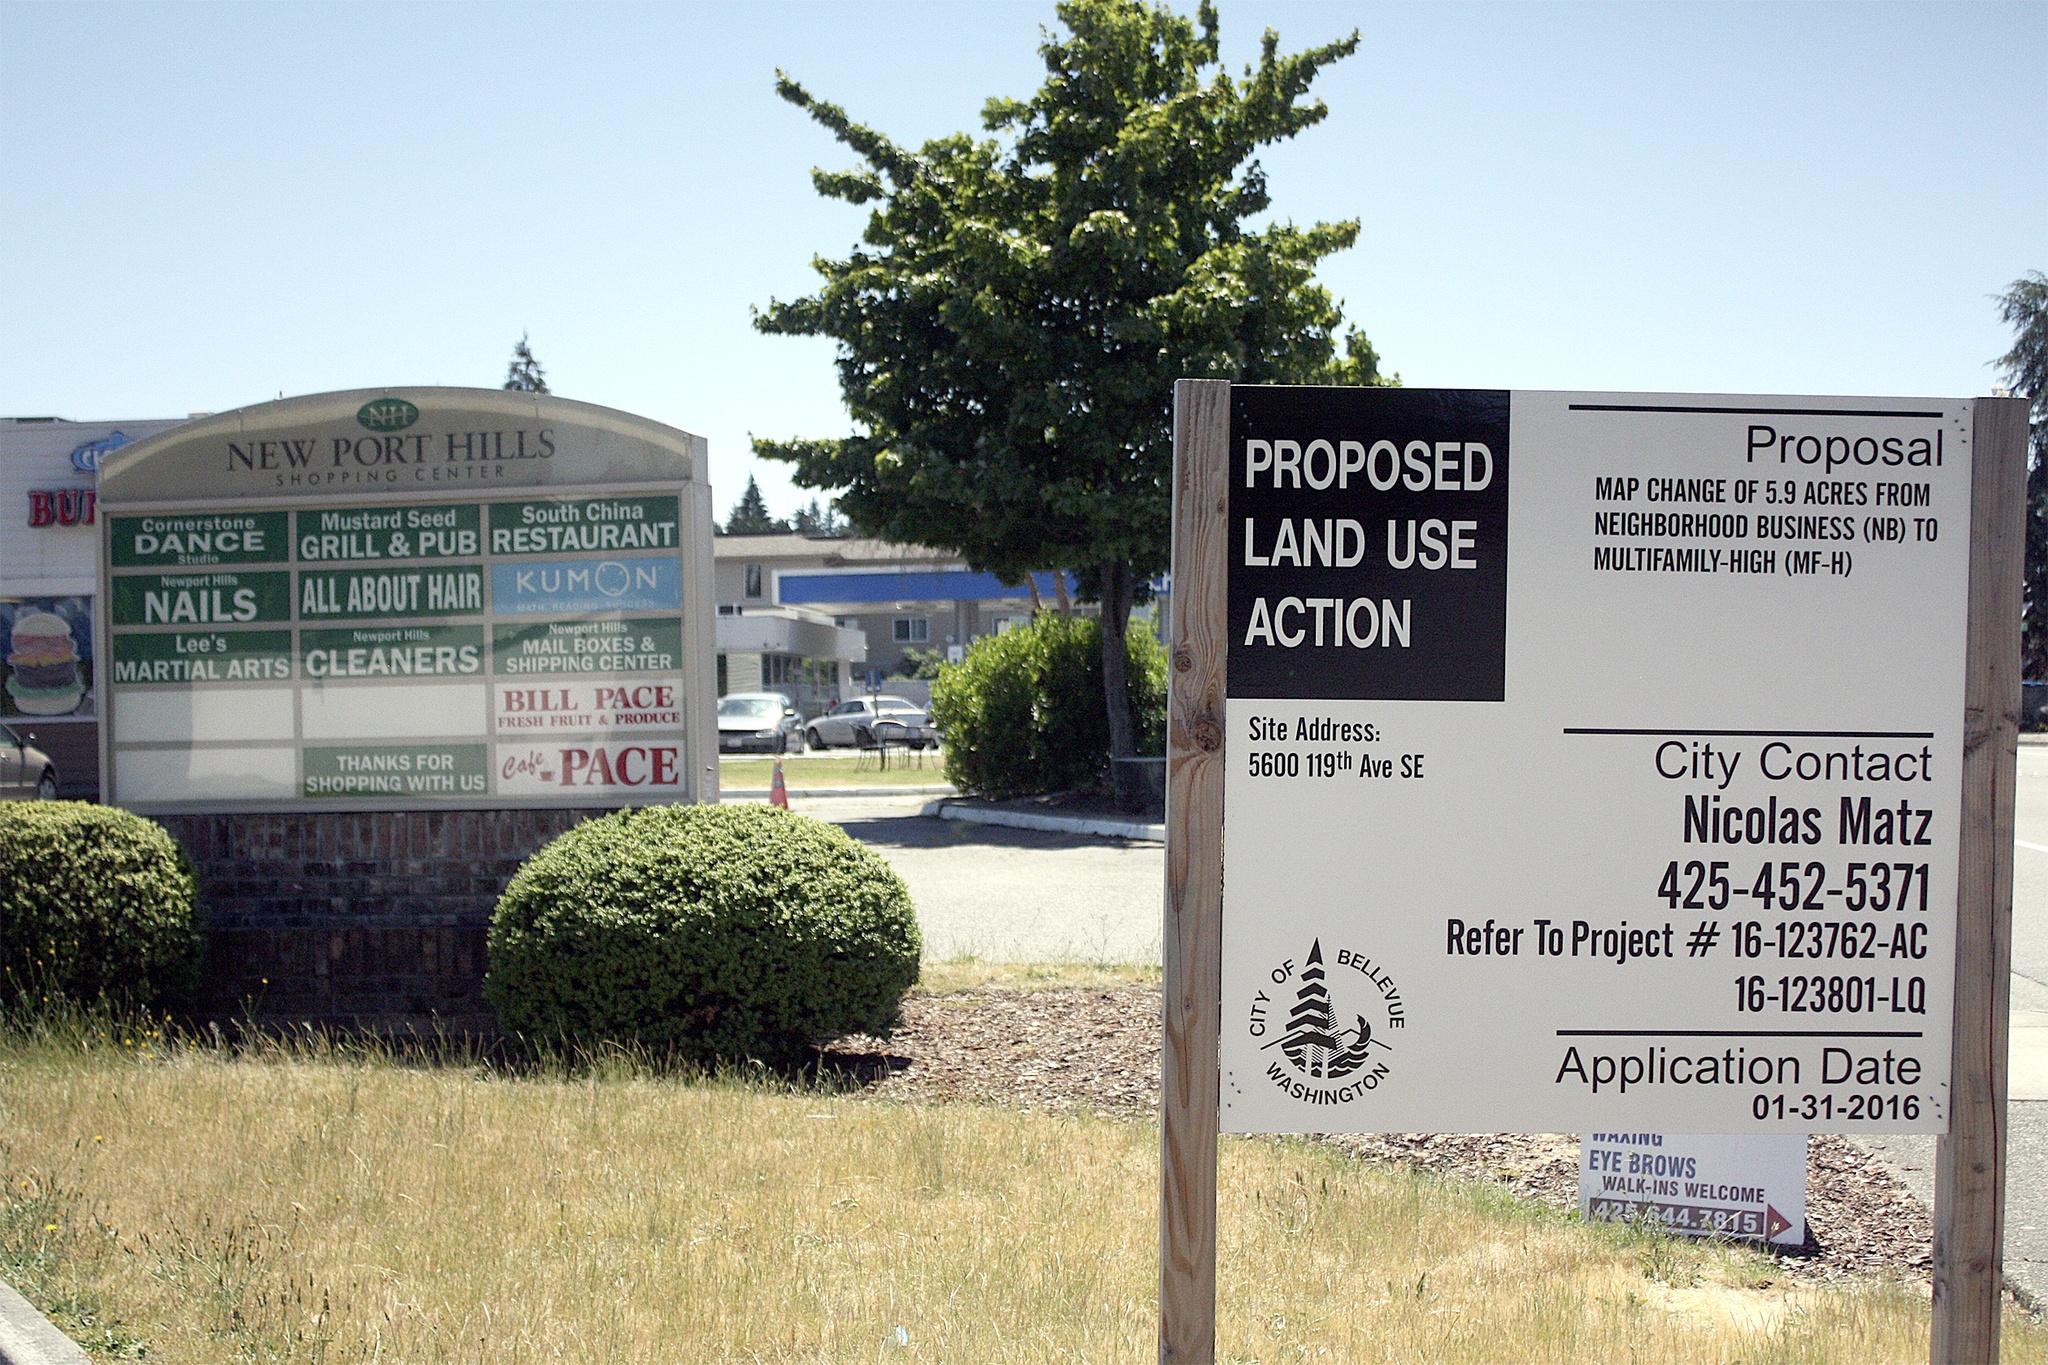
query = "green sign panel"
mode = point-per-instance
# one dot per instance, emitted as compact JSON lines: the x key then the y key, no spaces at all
{"x":565,"y":525}
{"x":201,"y":599}
{"x":367,"y":593}
{"x":357,"y":533}
{"x":200,"y":538}
{"x":392,"y":652}
{"x":396,"y":770}
{"x":206,"y":656}
{"x":387,"y":414}
{"x":571,"y":647}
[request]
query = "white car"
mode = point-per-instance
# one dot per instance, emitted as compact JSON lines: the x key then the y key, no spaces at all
{"x":843,"y":724}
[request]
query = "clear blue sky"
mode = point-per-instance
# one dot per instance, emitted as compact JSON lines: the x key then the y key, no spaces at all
{"x":208,"y":205}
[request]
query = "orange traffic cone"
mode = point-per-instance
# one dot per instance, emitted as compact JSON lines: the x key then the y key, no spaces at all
{"x":778,"y":795}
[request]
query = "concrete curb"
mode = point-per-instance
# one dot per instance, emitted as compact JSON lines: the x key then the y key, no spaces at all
{"x":796,"y":793}
{"x":28,"y":1338}
{"x":1062,"y":824}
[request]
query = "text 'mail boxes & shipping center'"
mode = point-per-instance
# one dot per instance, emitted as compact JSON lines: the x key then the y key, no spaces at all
{"x":1594,"y":761}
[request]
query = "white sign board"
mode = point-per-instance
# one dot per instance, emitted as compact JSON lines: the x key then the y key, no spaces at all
{"x":1749,"y":1185}
{"x":1594,"y":761}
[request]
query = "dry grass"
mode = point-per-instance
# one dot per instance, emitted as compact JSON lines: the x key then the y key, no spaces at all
{"x":299,"y":1207}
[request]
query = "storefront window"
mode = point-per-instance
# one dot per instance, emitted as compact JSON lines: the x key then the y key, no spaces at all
{"x":790,"y":669}
{"x":48,"y":664}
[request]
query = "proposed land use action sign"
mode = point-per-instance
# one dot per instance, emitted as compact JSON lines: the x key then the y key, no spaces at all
{"x":1594,"y":761}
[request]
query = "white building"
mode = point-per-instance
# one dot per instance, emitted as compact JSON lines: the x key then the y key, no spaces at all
{"x":895,"y":598}
{"x":49,"y":543}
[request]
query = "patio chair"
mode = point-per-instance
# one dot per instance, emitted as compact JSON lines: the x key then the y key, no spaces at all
{"x":876,"y":740}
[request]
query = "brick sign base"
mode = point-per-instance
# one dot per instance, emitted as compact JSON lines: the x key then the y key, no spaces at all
{"x":367,"y":920}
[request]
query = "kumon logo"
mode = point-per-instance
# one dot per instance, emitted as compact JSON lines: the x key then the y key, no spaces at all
{"x":387,"y":414}
{"x":1330,"y":1031}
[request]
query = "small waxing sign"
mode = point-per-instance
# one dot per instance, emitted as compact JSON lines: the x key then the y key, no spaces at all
{"x":1746,"y":1185}
{"x":1593,"y":760}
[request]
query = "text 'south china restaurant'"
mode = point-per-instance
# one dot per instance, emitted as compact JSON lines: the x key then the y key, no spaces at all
{"x":364,"y":652}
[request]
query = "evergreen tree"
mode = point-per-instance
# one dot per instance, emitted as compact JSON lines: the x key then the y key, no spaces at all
{"x":819,"y":521}
{"x":750,"y":515}
{"x":2024,"y":307}
{"x":525,"y":373}
{"x":1013,"y":320}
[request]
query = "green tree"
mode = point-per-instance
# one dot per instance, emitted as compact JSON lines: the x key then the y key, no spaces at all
{"x":2024,"y":307}
{"x":750,"y":517}
{"x":525,"y":373}
{"x":820,"y":521}
{"x":921,"y":665}
{"x":1011,"y":326}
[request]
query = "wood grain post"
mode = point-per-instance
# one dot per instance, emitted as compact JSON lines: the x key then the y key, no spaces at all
{"x":1192,"y":939}
{"x":1969,"y":1198}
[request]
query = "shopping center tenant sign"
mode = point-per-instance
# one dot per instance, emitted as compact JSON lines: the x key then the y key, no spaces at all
{"x":1595,"y":761}
{"x":407,"y":599}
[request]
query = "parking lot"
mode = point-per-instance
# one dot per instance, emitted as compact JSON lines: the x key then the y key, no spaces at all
{"x":1011,"y":895}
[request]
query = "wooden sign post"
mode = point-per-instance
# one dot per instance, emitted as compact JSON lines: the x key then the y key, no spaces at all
{"x":1192,"y":945}
{"x":1584,"y":708}
{"x":1969,"y":1190}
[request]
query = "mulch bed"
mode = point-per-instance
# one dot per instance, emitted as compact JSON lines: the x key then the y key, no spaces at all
{"x":1098,"y":1050}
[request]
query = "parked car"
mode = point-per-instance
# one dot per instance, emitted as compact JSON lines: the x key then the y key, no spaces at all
{"x":759,"y":722}
{"x":843,"y":724}
{"x":26,"y":772}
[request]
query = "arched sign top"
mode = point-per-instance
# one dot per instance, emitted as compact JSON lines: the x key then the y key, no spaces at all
{"x":400,"y":442}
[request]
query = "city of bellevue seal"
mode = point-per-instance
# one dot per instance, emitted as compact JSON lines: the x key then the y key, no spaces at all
{"x":1331,"y":1041}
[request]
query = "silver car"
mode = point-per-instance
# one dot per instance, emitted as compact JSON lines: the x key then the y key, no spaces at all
{"x":846,"y":723}
{"x":761,"y":722}
{"x":26,"y":772}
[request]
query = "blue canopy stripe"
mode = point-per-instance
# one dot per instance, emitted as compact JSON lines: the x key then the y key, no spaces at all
{"x":943,"y":585}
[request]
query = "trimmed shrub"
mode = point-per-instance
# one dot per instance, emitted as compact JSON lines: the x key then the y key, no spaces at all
{"x":1023,"y":713}
{"x":710,"y":932}
{"x":987,"y":708}
{"x":96,"y":906}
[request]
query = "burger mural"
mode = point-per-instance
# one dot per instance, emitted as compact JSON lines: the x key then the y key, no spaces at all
{"x":48,"y":659}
